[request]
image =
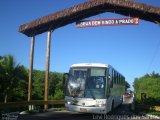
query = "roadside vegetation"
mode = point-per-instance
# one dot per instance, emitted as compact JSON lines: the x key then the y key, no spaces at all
{"x":147,"y":94}
{"x":14,"y":82}
{"x":147,"y":89}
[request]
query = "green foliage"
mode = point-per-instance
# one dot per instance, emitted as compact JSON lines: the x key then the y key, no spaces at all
{"x":38,"y":85}
{"x":149,"y":84}
{"x":10,"y":76}
{"x":55,"y":85}
{"x":55,"y":82}
{"x":19,"y":93}
{"x":152,"y":112}
{"x":59,"y":94}
{"x":14,"y":82}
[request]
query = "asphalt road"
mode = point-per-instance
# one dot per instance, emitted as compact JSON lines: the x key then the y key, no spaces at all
{"x":122,"y":112}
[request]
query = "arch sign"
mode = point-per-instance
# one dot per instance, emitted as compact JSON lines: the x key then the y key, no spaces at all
{"x":107,"y":22}
{"x":91,"y":8}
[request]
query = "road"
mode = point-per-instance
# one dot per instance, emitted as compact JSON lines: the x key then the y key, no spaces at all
{"x":122,"y":112}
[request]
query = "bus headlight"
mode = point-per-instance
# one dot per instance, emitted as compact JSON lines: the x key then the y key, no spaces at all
{"x":69,"y":102}
{"x":101,"y":105}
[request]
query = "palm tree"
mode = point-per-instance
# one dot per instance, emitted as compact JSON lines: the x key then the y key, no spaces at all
{"x":10,"y":75}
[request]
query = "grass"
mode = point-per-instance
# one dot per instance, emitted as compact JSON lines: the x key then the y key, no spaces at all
{"x":57,"y":109}
{"x":144,"y":107}
{"x":147,"y":111}
{"x":151,"y":112}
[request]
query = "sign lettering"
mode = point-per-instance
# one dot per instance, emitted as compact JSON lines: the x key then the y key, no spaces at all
{"x":107,"y":22}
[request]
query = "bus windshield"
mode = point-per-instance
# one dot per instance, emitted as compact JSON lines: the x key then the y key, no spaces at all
{"x":87,"y":82}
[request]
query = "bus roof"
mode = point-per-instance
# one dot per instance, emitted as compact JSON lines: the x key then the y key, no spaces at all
{"x":94,"y":65}
{"x":90,"y":65}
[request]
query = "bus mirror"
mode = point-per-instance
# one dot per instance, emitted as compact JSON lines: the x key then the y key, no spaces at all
{"x":65,"y":78}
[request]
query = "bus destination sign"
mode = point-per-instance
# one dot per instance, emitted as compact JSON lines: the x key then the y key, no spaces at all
{"x":107,"y":22}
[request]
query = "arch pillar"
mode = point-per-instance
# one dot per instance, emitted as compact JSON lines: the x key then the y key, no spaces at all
{"x":47,"y":69}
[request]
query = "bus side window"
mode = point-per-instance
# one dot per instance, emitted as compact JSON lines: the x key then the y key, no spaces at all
{"x":119,"y":79}
{"x":124,"y":81}
{"x":115,"y":77}
{"x":110,"y":78}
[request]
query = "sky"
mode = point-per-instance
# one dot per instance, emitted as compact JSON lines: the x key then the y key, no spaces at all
{"x":132,"y":50}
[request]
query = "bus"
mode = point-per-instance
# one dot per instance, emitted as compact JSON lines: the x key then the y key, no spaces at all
{"x":93,"y":88}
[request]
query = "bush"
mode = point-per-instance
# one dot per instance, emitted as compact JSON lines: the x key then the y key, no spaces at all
{"x":148,"y":84}
{"x":59,"y":95}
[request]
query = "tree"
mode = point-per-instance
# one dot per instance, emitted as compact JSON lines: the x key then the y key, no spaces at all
{"x":55,"y":85}
{"x":10,"y":75}
{"x":14,"y":84}
{"x":148,"y":84}
{"x":38,"y":85}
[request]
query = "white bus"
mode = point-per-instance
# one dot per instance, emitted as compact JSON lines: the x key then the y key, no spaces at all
{"x":93,"y":88}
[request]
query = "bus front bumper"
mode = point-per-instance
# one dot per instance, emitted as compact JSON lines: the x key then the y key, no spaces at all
{"x":84,"y":109}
